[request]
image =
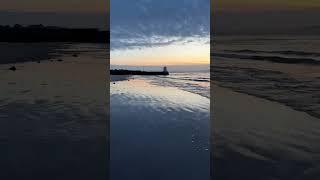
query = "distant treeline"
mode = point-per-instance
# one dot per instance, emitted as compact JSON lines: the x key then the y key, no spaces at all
{"x":40,"y":33}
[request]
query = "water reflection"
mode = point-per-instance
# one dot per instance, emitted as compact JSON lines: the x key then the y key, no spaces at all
{"x":158,"y":132}
{"x":53,"y":115}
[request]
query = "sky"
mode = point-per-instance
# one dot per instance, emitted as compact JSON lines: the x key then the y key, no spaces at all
{"x":260,"y":5}
{"x":259,"y":17}
{"x":159,"y":33}
{"x":66,"y":13}
{"x":92,"y":6}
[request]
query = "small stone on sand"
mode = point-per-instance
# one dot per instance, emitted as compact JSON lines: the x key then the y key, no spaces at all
{"x":12,"y":68}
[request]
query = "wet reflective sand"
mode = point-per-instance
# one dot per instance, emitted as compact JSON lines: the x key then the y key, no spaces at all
{"x":273,"y":132}
{"x":53,"y":116}
{"x":158,"y":132}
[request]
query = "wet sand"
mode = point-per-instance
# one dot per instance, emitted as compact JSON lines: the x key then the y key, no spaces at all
{"x":54,"y":117}
{"x":158,"y":132}
{"x":254,"y":138}
{"x":250,"y":65}
{"x":265,"y":122}
{"x":114,"y":78}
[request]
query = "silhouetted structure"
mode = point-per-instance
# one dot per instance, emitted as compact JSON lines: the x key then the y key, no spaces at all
{"x":40,"y":33}
{"x":165,"y":69}
{"x":129,"y":72}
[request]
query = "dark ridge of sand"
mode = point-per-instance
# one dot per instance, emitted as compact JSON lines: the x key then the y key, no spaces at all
{"x":302,"y":95}
{"x":114,"y":78}
{"x":40,"y":33}
{"x":12,"y":53}
{"x":276,"y":59}
{"x":297,"y":53}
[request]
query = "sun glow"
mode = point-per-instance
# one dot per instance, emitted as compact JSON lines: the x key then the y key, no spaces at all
{"x":193,"y":52}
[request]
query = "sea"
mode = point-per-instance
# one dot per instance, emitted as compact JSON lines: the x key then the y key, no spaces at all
{"x":267,"y":125}
{"x":284,"y":69}
{"x":194,"y":82}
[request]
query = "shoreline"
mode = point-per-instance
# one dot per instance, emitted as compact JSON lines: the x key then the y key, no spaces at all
{"x":257,"y":132}
{"x":40,"y":33}
{"x":114,"y":78}
{"x":252,"y":66}
{"x":37,"y":52}
{"x":311,"y":113}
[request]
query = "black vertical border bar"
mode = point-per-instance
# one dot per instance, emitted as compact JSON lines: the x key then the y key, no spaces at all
{"x":211,"y":139}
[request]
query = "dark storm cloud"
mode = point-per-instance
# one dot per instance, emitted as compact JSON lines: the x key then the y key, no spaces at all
{"x":133,"y":23}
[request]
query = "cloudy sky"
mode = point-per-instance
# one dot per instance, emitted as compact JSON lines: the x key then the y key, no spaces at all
{"x":166,"y":32}
{"x":69,"y":13}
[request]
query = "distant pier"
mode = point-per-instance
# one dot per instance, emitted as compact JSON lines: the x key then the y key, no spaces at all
{"x":137,"y":72}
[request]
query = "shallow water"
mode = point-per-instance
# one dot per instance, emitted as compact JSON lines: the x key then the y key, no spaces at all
{"x":282,"y":69}
{"x":194,"y":82}
{"x":54,"y":115}
{"x":158,"y":132}
{"x":254,"y":138}
{"x":270,"y":130}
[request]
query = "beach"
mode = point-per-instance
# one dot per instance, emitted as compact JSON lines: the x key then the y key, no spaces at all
{"x":254,"y":138}
{"x":158,"y":131}
{"x":251,"y":65}
{"x":265,"y":122}
{"x":53,"y":112}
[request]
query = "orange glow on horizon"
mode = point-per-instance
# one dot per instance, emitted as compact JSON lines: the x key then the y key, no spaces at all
{"x":166,"y":62}
{"x":195,"y":53}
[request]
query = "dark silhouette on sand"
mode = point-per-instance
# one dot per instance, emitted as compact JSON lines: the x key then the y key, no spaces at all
{"x":13,"y":68}
{"x":41,"y":33}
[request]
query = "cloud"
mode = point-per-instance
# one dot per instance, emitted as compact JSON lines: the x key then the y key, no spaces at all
{"x":156,"y":41}
{"x":142,"y":23}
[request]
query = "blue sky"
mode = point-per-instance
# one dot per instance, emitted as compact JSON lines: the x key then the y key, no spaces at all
{"x":145,"y":26}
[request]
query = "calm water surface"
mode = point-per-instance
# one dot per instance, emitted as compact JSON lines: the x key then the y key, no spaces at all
{"x":158,"y":132}
{"x":53,"y":114}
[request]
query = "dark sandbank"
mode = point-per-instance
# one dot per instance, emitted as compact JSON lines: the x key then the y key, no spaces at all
{"x":40,"y":33}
